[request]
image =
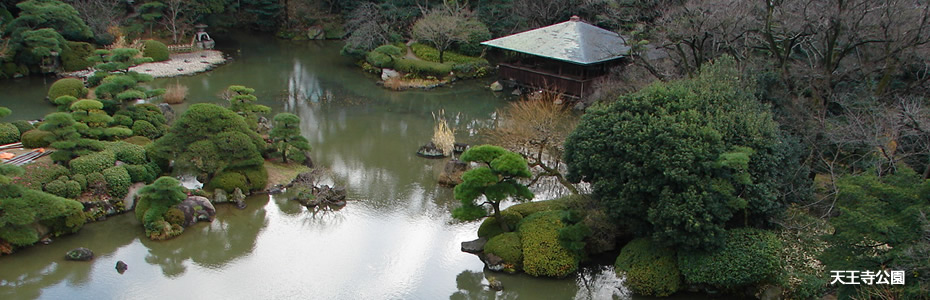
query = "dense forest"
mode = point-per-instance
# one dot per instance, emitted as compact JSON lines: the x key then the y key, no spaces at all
{"x":743,"y":145}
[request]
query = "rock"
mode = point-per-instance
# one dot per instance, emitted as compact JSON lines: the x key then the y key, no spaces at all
{"x":129,"y":202}
{"x":196,"y":208}
{"x":771,"y":292}
{"x":495,"y":284}
{"x":316,"y":33}
{"x":388,"y":74}
{"x":167,"y":111}
{"x":476,"y":246}
{"x":276,"y":189}
{"x":308,"y":161}
{"x":303,"y":179}
{"x":264,"y":125}
{"x":497,"y":86}
{"x":516,"y":92}
{"x":80,"y":254}
{"x":239,"y":198}
{"x":121,"y":267}
{"x":494,"y":262}
{"x":219,"y":196}
{"x":452,"y":174}
{"x":45,"y":241}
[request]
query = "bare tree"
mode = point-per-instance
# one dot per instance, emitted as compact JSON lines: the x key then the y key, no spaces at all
{"x":177,"y":18}
{"x":366,"y":28}
{"x":444,"y":26}
{"x":98,"y":14}
{"x":538,"y":13}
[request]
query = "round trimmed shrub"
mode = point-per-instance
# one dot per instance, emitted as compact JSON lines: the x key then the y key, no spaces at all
{"x":67,"y":87}
{"x":749,"y":256}
{"x":389,"y":50}
{"x":94,"y":162}
{"x":490,"y":228}
{"x":128,"y":153}
{"x":81,"y":179}
{"x":122,"y":120}
{"x":142,"y":206}
{"x":74,"y":57}
{"x":421,"y":67}
{"x":139,"y":173}
{"x":257,"y":177}
{"x":650,"y":270}
{"x":8,"y":134}
{"x":229,"y":181}
{"x":507,"y":246}
{"x":543,"y":253}
{"x":23,"y":125}
{"x":64,"y":188}
{"x":158,"y":51}
{"x":379,"y":59}
{"x":174,"y":216}
{"x":118,"y":181}
{"x":146,"y":129}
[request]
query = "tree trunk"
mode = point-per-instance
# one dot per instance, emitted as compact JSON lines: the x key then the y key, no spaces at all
{"x":498,"y":217}
{"x":440,"y":55}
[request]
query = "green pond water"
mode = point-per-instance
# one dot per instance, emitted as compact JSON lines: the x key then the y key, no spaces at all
{"x":394,"y":240}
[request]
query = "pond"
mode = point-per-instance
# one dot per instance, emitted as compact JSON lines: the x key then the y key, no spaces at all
{"x":394,"y":240}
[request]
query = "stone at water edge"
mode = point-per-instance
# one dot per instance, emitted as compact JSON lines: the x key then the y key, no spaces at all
{"x":476,"y":246}
{"x":495,"y":284}
{"x":452,"y":173}
{"x":276,"y":189}
{"x":196,"y":208}
{"x":497,"y":86}
{"x":219,"y":196}
{"x":80,"y":254}
{"x":388,"y":74}
{"x":121,"y":267}
{"x":167,"y":111}
{"x":494,"y":262}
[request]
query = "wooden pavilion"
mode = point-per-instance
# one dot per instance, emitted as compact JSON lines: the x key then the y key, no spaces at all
{"x":566,"y":57}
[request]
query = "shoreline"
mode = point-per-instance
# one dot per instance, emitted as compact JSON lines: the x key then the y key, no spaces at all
{"x":179,"y":64}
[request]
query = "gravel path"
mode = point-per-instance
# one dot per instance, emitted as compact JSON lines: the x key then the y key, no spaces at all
{"x":180,"y":64}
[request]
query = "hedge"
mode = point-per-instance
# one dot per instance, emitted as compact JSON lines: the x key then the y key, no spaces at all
{"x":543,"y":254}
{"x":94,"y":162}
{"x":74,"y":58}
{"x":146,"y":129}
{"x":421,"y":67}
{"x":257,"y":177}
{"x":379,"y":59}
{"x":139,"y":173}
{"x":138,"y":140}
{"x":228,"y":181}
{"x":158,"y":51}
{"x":8,"y":134}
{"x":650,"y":270}
{"x":118,"y":181}
{"x":81,"y":179}
{"x":37,"y":174}
{"x":23,"y":125}
{"x":127,"y":152}
{"x":123,"y":120}
{"x":508,"y":247}
{"x":67,"y":87}
{"x":429,"y":53}
{"x":16,"y":223}
{"x":564,"y":203}
{"x":389,"y":50}
{"x":748,"y":257}
{"x":64,"y":188}
{"x":490,"y":227}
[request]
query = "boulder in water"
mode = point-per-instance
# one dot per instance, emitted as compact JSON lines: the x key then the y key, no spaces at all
{"x":219,"y":196}
{"x":196,"y":208}
{"x":121,"y":267}
{"x":497,"y":86}
{"x":80,"y":254}
{"x":476,"y":246}
{"x":452,"y":174}
{"x":239,"y":198}
{"x":167,"y":111}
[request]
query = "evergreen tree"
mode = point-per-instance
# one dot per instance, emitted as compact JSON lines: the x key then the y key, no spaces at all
{"x":496,"y":180}
{"x":242,"y":101}
{"x":286,"y":137}
{"x":66,"y":139}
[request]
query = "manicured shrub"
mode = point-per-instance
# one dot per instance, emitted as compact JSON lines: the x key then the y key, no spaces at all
{"x":67,"y":87}
{"x":37,"y":174}
{"x":23,"y":125}
{"x":118,"y":181}
{"x":94,"y":162}
{"x":422,"y":67}
{"x":429,"y":53}
{"x":138,"y":140}
{"x":490,"y":227}
{"x":229,"y":181}
{"x":543,"y":254}
{"x":174,"y":216}
{"x":81,"y":179}
{"x":379,"y":59}
{"x":74,"y":58}
{"x":158,"y":51}
{"x":127,"y":152}
{"x":748,"y":257}
{"x":117,"y":133}
{"x":650,"y":270}
{"x":19,"y":214}
{"x":146,"y":129}
{"x":508,"y":247}
{"x":122,"y":120}
{"x":529,"y":208}
{"x":256,"y":176}
{"x":139,"y":173}
{"x":64,"y":188}
{"x":142,"y":205}
{"x":8,"y":134}
{"x":389,"y":50}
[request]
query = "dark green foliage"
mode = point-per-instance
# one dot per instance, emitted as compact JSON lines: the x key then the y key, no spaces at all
{"x":64,"y":188}
{"x":263,"y":14}
{"x":81,"y":179}
{"x":155,"y":200}
{"x":38,"y":174}
{"x":74,"y":57}
{"x":4,"y":112}
{"x":379,"y":59}
{"x":543,"y":254}
{"x":123,"y":120}
{"x":156,"y":50}
{"x":23,"y":125}
{"x":430,"y":54}
{"x":139,"y":173}
{"x":243,"y":103}
{"x":8,"y":134}
{"x":67,"y":87}
{"x":286,"y":136}
{"x":257,"y":177}
{"x":229,"y":182}
{"x":118,"y":181}
{"x":573,"y":235}
{"x":94,"y":162}
{"x":206,"y":139}
{"x":50,"y":14}
{"x":508,"y":247}
{"x":138,"y":140}
{"x":529,"y":208}
{"x":748,"y":257}
{"x":127,"y":152}
{"x":32,"y":206}
{"x":889,"y":214}
{"x":423,"y":68}
{"x":389,"y":50}
{"x":702,"y":150}
{"x":496,"y":180}
{"x":490,"y":228}
{"x":650,"y":270}
{"x":64,"y":102}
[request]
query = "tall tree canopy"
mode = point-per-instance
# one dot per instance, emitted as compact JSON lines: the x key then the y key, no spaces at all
{"x":682,"y":161}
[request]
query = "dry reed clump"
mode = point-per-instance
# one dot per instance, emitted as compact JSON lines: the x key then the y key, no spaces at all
{"x":443,"y":137}
{"x":400,"y":84}
{"x":175,"y":94}
{"x":120,"y":40}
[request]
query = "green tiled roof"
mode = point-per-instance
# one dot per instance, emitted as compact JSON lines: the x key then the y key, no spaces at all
{"x":572,"y":41}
